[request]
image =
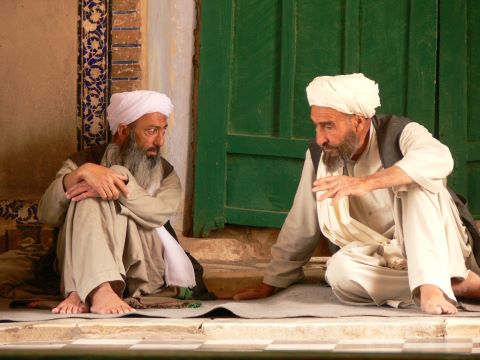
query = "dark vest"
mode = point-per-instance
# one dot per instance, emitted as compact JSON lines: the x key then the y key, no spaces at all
{"x":389,"y":129}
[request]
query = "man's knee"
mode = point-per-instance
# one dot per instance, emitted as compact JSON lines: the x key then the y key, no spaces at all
{"x":343,"y":275}
{"x":339,"y":271}
{"x":88,"y":204}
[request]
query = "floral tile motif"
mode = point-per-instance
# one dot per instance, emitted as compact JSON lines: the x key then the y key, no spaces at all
{"x":93,"y":64}
{"x":23,"y":212}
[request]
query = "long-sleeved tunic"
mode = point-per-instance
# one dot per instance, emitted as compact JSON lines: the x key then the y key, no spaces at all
{"x":420,"y":219}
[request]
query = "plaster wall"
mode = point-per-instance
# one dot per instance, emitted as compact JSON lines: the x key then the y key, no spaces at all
{"x":38,"y":71}
{"x":170,"y":50}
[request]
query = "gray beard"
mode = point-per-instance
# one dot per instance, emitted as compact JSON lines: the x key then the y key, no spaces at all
{"x":344,"y":154}
{"x":147,"y":170}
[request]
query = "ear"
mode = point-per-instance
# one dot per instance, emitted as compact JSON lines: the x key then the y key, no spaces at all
{"x":359,"y":123}
{"x":122,"y":133}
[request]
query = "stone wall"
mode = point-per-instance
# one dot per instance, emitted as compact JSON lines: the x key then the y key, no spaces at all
{"x":38,"y":102}
{"x":38,"y":68}
{"x":170,"y":51}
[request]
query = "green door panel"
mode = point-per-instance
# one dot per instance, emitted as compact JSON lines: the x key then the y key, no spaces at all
{"x":459,"y":94}
{"x":319,"y":50}
{"x":398,"y":49}
{"x":254,"y":66}
{"x":257,"y":57}
{"x":472,"y":137}
{"x":273,"y":179}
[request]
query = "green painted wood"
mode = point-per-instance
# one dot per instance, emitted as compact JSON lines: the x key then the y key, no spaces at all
{"x":255,"y":66}
{"x":473,"y":151}
{"x":422,"y":62}
{"x":251,"y":217}
{"x":453,"y":110}
{"x":473,"y":13}
{"x":213,"y":108}
{"x":383,"y":50}
{"x":257,"y":57}
{"x":259,"y":182}
{"x":473,"y":193}
{"x":319,"y":49}
{"x":351,"y":40}
{"x":287,"y":68}
{"x":473,"y":106}
{"x":279,"y":147}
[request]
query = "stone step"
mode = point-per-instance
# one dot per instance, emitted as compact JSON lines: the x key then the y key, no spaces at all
{"x":294,"y":329}
{"x":228,"y":276}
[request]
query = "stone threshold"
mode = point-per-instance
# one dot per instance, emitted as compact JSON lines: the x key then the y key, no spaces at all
{"x":293,"y":329}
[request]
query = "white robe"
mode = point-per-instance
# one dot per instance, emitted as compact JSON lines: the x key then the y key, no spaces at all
{"x":421,"y":219}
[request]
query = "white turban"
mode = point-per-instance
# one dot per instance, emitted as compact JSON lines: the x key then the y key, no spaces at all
{"x":349,"y":94}
{"x":127,"y":107}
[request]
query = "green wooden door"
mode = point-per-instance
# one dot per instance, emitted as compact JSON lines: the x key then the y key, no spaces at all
{"x":257,"y":56}
{"x":459,"y":94}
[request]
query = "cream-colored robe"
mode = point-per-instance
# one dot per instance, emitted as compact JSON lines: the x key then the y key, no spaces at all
{"x":112,"y":241}
{"x":421,"y":217}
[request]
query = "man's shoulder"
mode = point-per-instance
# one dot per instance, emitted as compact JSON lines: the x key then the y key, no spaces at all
{"x":381,"y":121}
{"x":92,"y":154}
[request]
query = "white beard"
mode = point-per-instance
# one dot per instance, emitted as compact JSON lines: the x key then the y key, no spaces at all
{"x":138,"y":164}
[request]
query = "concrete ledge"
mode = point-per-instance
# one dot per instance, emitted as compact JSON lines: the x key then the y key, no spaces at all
{"x":295,"y":329}
{"x":309,"y":329}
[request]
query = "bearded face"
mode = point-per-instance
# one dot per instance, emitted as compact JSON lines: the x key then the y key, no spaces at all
{"x":337,"y":156}
{"x":147,"y":169}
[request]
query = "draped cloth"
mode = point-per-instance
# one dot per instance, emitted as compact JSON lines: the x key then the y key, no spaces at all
{"x":337,"y":224}
{"x":349,"y":94}
{"x":178,"y":267}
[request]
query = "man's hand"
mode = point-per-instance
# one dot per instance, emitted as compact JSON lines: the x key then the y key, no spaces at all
{"x":259,"y":292}
{"x":81,"y":191}
{"x":338,"y":186}
{"x":95,"y":180}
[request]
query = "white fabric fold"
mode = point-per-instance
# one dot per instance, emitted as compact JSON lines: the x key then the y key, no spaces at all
{"x":127,"y":107}
{"x":178,"y":267}
{"x":349,"y":94}
{"x":337,"y":224}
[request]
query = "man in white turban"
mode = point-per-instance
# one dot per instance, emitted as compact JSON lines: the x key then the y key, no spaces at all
{"x":113,"y":204}
{"x":375,"y":187}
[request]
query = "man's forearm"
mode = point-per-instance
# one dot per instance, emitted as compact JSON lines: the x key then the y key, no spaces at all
{"x":71,"y":179}
{"x":387,"y":178}
{"x":340,"y":185}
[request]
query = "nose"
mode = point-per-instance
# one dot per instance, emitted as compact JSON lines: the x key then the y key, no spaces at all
{"x":159,"y":139}
{"x":320,"y":137}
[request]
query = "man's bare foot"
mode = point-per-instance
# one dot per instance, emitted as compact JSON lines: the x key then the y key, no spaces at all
{"x":433,"y":301}
{"x":467,"y":288}
{"x":105,"y":301}
{"x":71,"y":305}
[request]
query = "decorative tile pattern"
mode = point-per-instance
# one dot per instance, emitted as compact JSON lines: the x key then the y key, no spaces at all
{"x":93,"y":64}
{"x":407,"y":346}
{"x":24,"y":212}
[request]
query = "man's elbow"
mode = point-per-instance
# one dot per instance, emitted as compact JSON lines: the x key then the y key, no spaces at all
{"x":449,"y":163}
